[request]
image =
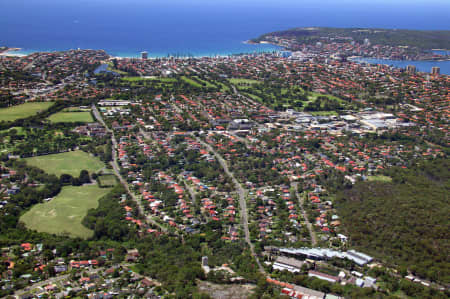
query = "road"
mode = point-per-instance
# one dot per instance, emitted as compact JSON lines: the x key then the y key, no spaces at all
{"x":242,"y":200}
{"x":190,"y":190}
{"x":56,"y":279}
{"x":239,"y":138}
{"x":52,"y":280}
{"x":116,"y":169}
{"x":236,"y":91}
{"x":301,"y":202}
{"x":43,"y":283}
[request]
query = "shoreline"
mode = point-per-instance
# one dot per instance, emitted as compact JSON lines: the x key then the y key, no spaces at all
{"x":137,"y":54}
{"x":9,"y":52}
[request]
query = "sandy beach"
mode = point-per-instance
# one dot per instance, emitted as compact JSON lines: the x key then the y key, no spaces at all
{"x":10,"y":52}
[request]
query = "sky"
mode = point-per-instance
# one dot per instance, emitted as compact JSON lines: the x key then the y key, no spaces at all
{"x":387,"y":3}
{"x":409,"y":14}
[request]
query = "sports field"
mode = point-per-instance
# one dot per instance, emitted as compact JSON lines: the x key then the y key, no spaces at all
{"x":69,"y":162}
{"x":70,"y":117}
{"x":23,"y":110}
{"x":64,"y":214}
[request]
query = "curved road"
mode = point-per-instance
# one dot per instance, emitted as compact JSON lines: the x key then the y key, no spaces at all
{"x":116,"y":169}
{"x":301,"y":202}
{"x":242,"y":201}
{"x":241,"y":191}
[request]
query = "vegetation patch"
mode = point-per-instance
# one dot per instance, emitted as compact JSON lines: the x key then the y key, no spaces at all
{"x":63,"y":215}
{"x":379,"y":178}
{"x":324,"y":113}
{"x":70,"y":117}
{"x":404,"y":222}
{"x":66,"y":163}
{"x":312,"y":96}
{"x":229,"y":291}
{"x":108,"y":219}
{"x":138,"y":78}
{"x":107,"y":180}
{"x":239,"y":81}
{"x":252,"y":96}
{"x":424,"y":39}
{"x":23,"y":111}
{"x":16,"y":130}
{"x":206,"y":83}
{"x":191,"y":82}
{"x":223,"y":87}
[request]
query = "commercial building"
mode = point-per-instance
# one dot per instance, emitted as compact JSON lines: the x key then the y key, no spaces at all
{"x":323,"y":276}
{"x":324,"y":254}
{"x":435,"y":70}
{"x":411,"y":69}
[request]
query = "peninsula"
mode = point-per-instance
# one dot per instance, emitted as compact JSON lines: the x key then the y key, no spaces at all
{"x":404,"y":44}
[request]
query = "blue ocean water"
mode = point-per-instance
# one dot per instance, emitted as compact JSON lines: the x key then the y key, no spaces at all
{"x":441,"y":52}
{"x":194,"y":27}
{"x":422,"y":66}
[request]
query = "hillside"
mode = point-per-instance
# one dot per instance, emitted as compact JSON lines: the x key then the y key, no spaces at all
{"x":405,"y":222}
{"x":424,"y":39}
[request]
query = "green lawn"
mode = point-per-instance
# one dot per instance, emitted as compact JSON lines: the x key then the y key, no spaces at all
{"x":107,"y":180}
{"x":223,"y":87}
{"x":69,"y":117}
{"x":23,"y":110}
{"x":323,"y":113}
{"x":154,"y":78}
{"x":112,"y":69}
{"x":136,"y":79}
{"x":19,"y":130}
{"x":64,"y":214}
{"x":207,"y":83}
{"x":379,"y":178}
{"x":314,"y":95}
{"x":253,"y":96}
{"x":76,"y":109}
{"x":243,"y":81}
{"x":70,"y":162}
{"x":167,"y":80}
{"x":191,"y":82}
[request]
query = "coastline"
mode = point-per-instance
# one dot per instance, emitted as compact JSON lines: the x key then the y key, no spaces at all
{"x":9,"y":52}
{"x":423,"y":65}
{"x":252,"y":49}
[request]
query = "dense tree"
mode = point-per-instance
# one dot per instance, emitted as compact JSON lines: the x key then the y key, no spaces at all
{"x":404,"y":222}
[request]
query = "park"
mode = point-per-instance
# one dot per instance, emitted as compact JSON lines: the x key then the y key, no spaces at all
{"x":64,"y":213}
{"x":66,"y":163}
{"x":23,"y":111}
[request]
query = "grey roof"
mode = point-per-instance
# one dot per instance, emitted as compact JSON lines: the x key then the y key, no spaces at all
{"x":325,"y":253}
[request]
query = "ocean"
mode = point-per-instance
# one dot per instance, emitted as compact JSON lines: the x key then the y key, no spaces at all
{"x":194,"y":27}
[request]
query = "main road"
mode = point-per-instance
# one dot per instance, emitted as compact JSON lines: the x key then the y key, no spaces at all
{"x":52,"y":280}
{"x":116,"y":170}
{"x":242,"y":199}
{"x":301,"y":202}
